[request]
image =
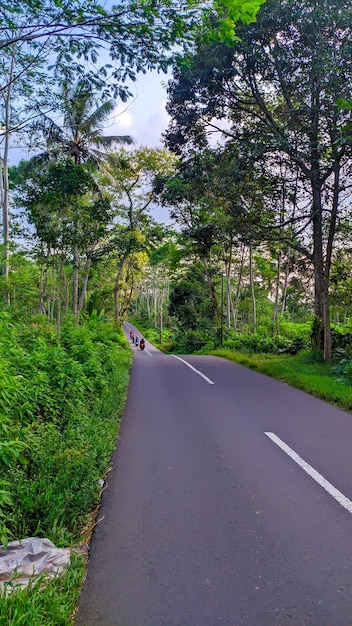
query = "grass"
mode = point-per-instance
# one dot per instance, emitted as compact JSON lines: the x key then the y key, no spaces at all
{"x":301,"y":371}
{"x":50,"y":605}
{"x":63,"y":399}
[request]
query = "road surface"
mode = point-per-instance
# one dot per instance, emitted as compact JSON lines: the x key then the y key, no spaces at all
{"x":229,"y":503}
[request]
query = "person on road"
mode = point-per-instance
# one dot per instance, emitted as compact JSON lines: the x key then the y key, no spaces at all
{"x":137,"y":340}
{"x":142,"y":344}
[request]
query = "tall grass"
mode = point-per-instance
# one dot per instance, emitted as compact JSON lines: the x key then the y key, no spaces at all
{"x":60,"y":402}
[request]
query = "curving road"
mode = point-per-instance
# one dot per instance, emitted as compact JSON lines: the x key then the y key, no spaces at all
{"x":229,"y":503}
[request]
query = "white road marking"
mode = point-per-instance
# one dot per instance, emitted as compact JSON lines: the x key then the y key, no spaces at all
{"x":147,"y":351}
{"x":194,"y":369}
{"x":335,"y":493}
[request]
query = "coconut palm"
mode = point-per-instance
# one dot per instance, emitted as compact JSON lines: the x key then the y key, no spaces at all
{"x":79,"y":136}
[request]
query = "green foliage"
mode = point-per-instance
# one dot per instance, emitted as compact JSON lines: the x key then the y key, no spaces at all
{"x":230,"y":12}
{"x":294,"y":330}
{"x":343,"y":370}
{"x":49,"y":605}
{"x":10,"y":451}
{"x":190,"y":301}
{"x":137,"y":37}
{"x":263,"y":344}
{"x":195,"y":341}
{"x":63,"y":397}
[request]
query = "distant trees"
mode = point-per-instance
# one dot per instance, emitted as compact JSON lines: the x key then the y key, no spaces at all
{"x":93,"y":231}
{"x":131,"y":176}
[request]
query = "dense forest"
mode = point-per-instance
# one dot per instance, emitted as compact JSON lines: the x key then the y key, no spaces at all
{"x":255,"y":171}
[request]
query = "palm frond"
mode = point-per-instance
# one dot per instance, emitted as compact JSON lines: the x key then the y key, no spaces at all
{"x":42,"y":159}
{"x":78,"y":101}
{"x":95,"y":120}
{"x":103,"y":141}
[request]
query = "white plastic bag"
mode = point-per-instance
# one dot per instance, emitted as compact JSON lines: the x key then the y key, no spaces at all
{"x":22,"y":560}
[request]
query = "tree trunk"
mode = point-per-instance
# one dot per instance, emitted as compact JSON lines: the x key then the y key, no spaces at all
{"x":147,"y":301}
{"x":117,"y":289}
{"x":333,"y":220}
{"x":59,"y":288}
{"x":229,"y":302}
{"x":161,"y":315}
{"x":322,"y":310}
{"x":155,"y":297}
{"x":251,"y":279}
{"x":277,"y":293}
{"x":75,"y":280}
{"x":238,"y":290}
{"x":43,"y":281}
{"x":284,"y":293}
{"x":5,"y":173}
{"x":84,"y":286}
{"x":212,"y":291}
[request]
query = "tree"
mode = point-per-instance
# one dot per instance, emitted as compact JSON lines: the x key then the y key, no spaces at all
{"x":131,"y":176}
{"x":137,"y":36}
{"x":66,"y":39}
{"x":79,"y":138}
{"x":80,"y":135}
{"x":218,"y":197}
{"x":280,"y":82}
{"x":68,"y":216}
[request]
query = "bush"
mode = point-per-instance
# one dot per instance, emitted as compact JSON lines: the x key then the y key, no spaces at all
{"x":62,"y":397}
{"x":194,"y":341}
{"x":261,"y":344}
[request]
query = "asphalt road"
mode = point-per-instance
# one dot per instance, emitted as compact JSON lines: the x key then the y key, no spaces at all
{"x":207,"y":519}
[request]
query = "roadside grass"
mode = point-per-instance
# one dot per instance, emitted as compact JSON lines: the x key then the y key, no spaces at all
{"x":49,"y":604}
{"x":61,"y":397}
{"x":301,"y":371}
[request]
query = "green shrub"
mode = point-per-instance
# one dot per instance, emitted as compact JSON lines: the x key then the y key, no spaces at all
{"x":194,"y":341}
{"x":261,"y":344}
{"x":63,"y":397}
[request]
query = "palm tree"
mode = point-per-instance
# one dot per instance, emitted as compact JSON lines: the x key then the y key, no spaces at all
{"x":78,"y":136}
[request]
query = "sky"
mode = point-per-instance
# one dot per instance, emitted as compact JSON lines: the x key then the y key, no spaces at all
{"x":144,"y":117}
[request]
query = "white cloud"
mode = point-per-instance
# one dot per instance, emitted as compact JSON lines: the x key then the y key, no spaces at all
{"x":149,"y":130}
{"x":122,"y":117}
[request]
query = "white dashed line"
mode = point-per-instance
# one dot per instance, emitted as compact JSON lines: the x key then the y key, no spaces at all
{"x":194,"y":369}
{"x":335,"y":493}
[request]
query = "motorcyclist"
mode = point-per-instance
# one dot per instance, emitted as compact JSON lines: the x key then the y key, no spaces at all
{"x":142,"y":343}
{"x":136,"y":340}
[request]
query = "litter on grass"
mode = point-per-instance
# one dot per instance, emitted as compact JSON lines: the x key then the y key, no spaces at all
{"x":24,"y":560}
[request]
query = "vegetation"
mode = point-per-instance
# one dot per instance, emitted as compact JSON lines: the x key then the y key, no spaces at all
{"x":256,"y":266}
{"x":60,"y":402}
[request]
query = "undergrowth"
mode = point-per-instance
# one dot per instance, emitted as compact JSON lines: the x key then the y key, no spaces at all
{"x":60,"y":401}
